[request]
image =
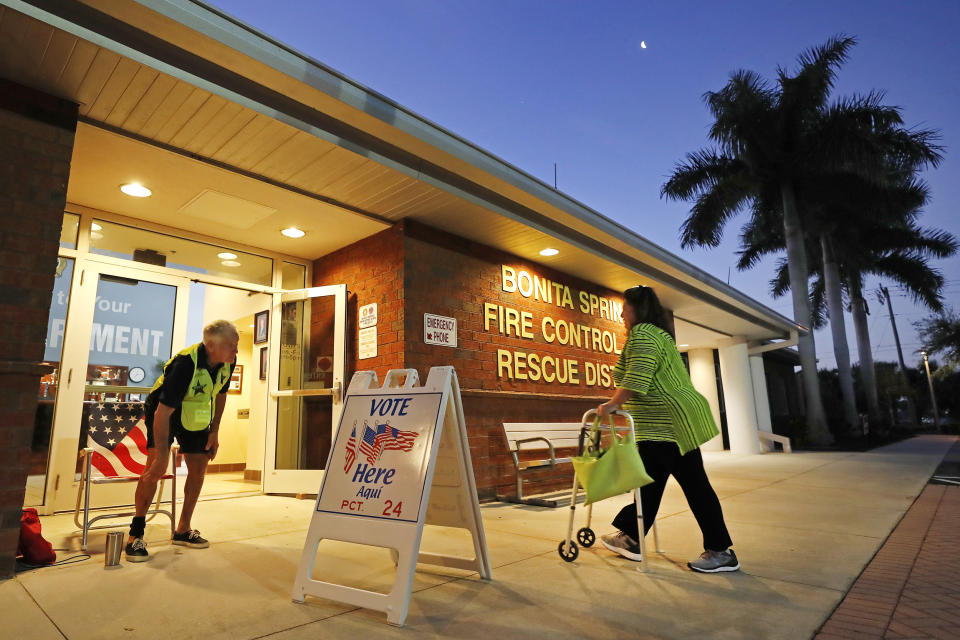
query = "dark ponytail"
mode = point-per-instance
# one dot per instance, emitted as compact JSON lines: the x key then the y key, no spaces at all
{"x":646,"y":307}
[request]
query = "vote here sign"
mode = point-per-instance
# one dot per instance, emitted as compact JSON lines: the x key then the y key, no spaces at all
{"x":379,"y":460}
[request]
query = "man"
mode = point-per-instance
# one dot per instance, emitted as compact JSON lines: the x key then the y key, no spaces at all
{"x":185,"y":403}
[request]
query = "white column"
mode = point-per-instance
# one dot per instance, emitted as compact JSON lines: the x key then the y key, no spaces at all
{"x":738,"y":397}
{"x":703,"y":374}
{"x":761,"y":399}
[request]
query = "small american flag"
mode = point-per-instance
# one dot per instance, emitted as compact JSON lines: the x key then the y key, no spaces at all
{"x":351,"y":449}
{"x":118,"y":437}
{"x":384,"y":438}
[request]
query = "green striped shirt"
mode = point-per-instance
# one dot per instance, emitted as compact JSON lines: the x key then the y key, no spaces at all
{"x":664,"y":406}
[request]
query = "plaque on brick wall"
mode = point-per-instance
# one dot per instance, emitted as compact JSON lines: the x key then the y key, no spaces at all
{"x":439,"y":330}
{"x":367,"y":347}
{"x":368,"y":315}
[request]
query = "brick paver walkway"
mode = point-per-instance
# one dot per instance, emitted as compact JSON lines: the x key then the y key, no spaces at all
{"x":911,"y":589}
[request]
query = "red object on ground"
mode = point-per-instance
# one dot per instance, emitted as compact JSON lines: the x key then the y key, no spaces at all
{"x":32,"y":546}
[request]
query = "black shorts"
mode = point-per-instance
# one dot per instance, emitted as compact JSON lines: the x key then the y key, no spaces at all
{"x":189,"y":441}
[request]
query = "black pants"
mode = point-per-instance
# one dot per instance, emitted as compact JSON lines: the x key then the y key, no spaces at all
{"x":663,"y":459}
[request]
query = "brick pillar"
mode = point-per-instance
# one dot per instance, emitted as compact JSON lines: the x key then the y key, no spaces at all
{"x":36,"y":144}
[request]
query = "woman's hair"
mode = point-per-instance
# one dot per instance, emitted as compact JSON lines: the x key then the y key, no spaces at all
{"x":646,"y":307}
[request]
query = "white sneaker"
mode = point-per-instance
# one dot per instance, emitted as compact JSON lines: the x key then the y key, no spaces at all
{"x":623,"y":545}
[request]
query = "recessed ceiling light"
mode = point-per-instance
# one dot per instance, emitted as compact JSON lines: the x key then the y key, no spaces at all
{"x":549,"y":252}
{"x":293,"y":232}
{"x":683,"y":345}
{"x":95,"y":227}
{"x":226,"y":255}
{"x":251,"y":326}
{"x":230,"y":263}
{"x":136,"y":190}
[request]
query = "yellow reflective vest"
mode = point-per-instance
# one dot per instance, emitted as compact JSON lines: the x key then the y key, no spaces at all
{"x":197,"y":408}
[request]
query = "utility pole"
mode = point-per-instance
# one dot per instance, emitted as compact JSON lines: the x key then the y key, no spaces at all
{"x":933,"y":397}
{"x":911,"y":408}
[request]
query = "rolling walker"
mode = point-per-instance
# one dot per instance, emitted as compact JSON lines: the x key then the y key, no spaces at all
{"x":590,"y":443}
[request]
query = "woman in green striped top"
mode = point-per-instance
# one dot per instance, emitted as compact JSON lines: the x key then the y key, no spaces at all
{"x":671,"y":420}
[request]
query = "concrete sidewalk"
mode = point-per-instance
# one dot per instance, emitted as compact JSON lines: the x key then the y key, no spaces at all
{"x":804,"y":526}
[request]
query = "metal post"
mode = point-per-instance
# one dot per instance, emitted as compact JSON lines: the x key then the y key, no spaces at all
{"x":933,"y":396}
{"x":911,"y":408}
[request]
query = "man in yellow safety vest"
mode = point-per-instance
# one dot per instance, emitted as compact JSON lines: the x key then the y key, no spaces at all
{"x":185,"y":403}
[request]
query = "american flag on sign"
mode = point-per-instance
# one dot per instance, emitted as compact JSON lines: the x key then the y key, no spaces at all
{"x":351,"y":454}
{"x":383,"y":438}
{"x":118,"y":437}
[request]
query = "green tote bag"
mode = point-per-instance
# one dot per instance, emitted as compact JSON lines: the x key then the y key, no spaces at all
{"x":615,"y":470}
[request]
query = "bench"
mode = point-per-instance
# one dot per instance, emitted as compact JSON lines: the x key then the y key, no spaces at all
{"x":771,"y":438}
{"x":545,"y":439}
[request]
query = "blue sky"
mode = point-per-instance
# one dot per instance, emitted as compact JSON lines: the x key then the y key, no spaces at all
{"x":539,"y":82}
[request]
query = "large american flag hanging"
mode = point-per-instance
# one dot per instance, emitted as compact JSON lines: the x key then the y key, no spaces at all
{"x":118,"y":437}
{"x":377,"y":440}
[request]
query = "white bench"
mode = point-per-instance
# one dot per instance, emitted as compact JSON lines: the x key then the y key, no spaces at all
{"x":771,"y":438}
{"x":545,"y":439}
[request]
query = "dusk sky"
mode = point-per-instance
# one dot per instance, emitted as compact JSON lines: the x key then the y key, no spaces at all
{"x":567,"y":82}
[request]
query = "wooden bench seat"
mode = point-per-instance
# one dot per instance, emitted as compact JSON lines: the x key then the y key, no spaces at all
{"x":544,"y":439}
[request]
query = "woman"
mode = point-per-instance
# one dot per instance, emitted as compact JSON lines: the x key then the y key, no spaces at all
{"x":672,"y":420}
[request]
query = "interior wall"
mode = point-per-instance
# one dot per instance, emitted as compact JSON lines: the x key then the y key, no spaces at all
{"x":239,"y":433}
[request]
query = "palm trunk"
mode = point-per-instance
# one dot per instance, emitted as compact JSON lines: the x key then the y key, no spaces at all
{"x":817,"y":431}
{"x":868,"y":373}
{"x":838,"y":329}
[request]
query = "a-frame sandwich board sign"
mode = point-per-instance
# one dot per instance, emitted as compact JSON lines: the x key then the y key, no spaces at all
{"x":399,"y":460}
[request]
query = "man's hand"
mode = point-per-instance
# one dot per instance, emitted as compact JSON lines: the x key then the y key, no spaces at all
{"x":159,"y":466}
{"x":213,"y":444}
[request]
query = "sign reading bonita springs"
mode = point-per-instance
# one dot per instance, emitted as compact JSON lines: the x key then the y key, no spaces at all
{"x":380,"y":457}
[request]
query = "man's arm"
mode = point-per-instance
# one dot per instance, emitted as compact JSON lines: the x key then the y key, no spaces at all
{"x":161,"y":442}
{"x":213,"y":440}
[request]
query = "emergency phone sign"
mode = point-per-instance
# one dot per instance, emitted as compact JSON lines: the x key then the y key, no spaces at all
{"x":379,"y":460}
{"x":439,"y":330}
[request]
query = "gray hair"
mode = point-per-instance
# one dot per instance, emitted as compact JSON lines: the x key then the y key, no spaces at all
{"x":220,"y":330}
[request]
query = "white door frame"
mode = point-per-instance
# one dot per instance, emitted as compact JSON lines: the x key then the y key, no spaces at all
{"x":61,"y":492}
{"x":302,"y":480}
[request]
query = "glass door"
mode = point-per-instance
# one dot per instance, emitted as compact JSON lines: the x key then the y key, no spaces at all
{"x":124,"y":325}
{"x":306,"y":364}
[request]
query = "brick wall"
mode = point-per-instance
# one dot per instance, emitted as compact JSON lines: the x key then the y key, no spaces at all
{"x":372,"y":269}
{"x":36,"y":139}
{"x":450,"y":276}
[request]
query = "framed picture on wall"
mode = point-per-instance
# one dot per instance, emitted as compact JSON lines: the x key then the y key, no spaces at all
{"x":263,"y":363}
{"x":261,"y":327}
{"x":236,"y":380}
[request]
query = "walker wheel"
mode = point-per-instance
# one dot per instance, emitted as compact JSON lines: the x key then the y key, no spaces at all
{"x":570,"y":555}
{"x":586,"y":537}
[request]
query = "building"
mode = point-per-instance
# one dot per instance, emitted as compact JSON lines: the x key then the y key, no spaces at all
{"x":238,"y":137}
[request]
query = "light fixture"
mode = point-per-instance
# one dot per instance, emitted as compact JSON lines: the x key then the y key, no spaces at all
{"x":136,"y":190}
{"x":549,"y":252}
{"x":96,"y":235}
{"x":230,"y":263}
{"x":293,"y":232}
{"x":95,"y":227}
{"x":251,"y":326}
{"x":226,"y":255}
{"x":683,"y":345}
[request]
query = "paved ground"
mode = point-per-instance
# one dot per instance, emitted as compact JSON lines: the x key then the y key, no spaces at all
{"x":911,"y":589}
{"x":805,"y":526}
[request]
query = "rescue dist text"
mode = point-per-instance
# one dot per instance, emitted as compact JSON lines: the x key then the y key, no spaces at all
{"x":524,"y":365}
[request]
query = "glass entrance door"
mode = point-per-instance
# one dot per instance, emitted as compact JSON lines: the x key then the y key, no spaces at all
{"x":124,"y":325}
{"x":306,"y":364}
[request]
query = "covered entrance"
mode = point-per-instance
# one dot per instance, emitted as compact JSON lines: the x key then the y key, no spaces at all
{"x":125,"y":299}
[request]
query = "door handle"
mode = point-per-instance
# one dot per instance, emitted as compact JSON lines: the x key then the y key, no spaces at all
{"x":337,"y":392}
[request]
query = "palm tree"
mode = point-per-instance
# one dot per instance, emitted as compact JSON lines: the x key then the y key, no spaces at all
{"x":895,"y":251}
{"x":941,"y":334}
{"x":770,"y":139}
